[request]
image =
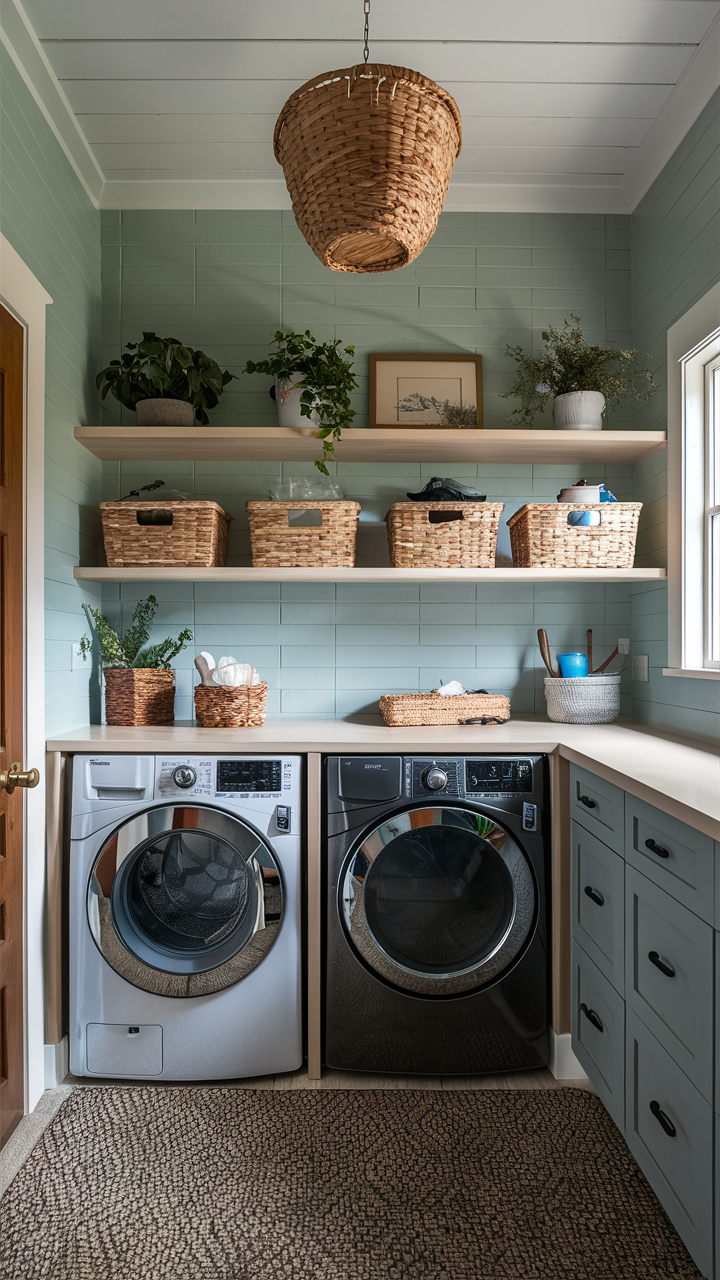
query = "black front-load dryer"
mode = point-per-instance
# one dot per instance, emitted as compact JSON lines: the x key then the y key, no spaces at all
{"x":437,"y":944}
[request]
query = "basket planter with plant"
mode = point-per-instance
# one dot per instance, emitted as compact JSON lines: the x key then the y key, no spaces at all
{"x":313,"y":381}
{"x":584,"y":380}
{"x":165,"y":382}
{"x":139,"y":681}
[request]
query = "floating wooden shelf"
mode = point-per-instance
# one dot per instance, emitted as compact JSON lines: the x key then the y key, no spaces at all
{"x":244,"y":574}
{"x":283,"y":444}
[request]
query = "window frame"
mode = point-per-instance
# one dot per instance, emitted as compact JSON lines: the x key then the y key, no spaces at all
{"x":712,"y":514}
{"x":693,"y":344}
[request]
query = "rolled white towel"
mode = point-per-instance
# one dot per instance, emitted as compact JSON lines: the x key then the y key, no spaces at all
{"x":451,"y":689}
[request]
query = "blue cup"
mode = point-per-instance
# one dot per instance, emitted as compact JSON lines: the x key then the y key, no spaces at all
{"x":573,"y":664}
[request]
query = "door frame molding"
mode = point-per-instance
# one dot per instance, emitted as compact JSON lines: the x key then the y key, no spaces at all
{"x":26,"y":299}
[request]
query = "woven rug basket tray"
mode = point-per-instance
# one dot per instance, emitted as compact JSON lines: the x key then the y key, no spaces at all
{"x":278,"y":544}
{"x":541,"y":538}
{"x":173,"y":532}
{"x":367,"y":153}
{"x":433,"y":708}
{"x":230,"y":707}
{"x":443,"y":535}
{"x":139,"y":695}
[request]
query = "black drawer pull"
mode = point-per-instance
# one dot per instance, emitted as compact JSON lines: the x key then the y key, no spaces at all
{"x":662,"y":1119}
{"x":654,"y":847}
{"x":591,"y":1016}
{"x":589,"y":804}
{"x":667,"y":969}
{"x":594,"y":895}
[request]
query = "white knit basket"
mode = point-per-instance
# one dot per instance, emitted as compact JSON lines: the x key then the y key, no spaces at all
{"x":583,"y":699}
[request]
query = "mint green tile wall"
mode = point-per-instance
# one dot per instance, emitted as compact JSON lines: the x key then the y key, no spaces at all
{"x":224,"y":281}
{"x":675,"y":259}
{"x":50,"y":221}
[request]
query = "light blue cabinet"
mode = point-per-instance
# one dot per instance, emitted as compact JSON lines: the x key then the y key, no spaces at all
{"x":645,"y":995}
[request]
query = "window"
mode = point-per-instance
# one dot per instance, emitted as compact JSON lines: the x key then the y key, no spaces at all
{"x":694,"y":491}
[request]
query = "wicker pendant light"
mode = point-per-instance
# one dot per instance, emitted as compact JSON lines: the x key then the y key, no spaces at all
{"x":367,"y":154}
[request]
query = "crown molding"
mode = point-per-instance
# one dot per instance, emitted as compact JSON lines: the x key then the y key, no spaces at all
{"x":26,"y":52}
{"x":691,"y":94}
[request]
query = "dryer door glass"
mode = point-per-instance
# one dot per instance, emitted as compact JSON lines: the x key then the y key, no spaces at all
{"x":184,"y":901}
{"x":439,"y":901}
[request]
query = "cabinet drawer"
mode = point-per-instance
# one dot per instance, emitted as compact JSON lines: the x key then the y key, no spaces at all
{"x":678,"y":1164}
{"x":598,"y":1033}
{"x":598,"y":903}
{"x":598,"y":806}
{"x":672,"y":855}
{"x":670,"y":979}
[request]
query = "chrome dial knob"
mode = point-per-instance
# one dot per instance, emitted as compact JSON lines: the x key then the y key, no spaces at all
{"x":434,"y":779}
{"x":184,"y":776}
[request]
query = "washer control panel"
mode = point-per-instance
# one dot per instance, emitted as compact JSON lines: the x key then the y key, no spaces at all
{"x":486,"y":777}
{"x":226,"y":778}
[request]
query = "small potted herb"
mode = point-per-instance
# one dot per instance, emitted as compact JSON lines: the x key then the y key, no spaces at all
{"x":167,"y":383}
{"x":313,"y":381}
{"x":585,"y":380}
{"x":139,"y":682}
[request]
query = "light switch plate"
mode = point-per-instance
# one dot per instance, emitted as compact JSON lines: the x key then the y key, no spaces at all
{"x":640,"y":666}
{"x":623,"y":646}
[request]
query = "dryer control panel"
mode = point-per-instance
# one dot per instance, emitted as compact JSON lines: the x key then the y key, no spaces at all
{"x":484,"y":777}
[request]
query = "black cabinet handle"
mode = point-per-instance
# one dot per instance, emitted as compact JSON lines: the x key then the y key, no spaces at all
{"x":589,"y":804}
{"x":664,"y":1121}
{"x":654,"y":847}
{"x":667,"y":969}
{"x":594,"y":895}
{"x":591,"y":1016}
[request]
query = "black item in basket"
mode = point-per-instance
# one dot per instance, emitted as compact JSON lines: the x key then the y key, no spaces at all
{"x":439,"y":490}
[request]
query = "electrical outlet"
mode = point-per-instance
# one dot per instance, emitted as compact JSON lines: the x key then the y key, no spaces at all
{"x":77,"y":662}
{"x":623,"y":646}
{"x":640,"y":667}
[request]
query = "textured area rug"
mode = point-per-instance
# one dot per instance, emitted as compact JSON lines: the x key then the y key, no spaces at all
{"x":228,"y":1184}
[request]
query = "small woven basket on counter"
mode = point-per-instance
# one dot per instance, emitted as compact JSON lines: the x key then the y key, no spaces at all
{"x":279,"y":543}
{"x":230,"y":706}
{"x":139,"y":695}
{"x":583,"y":699}
{"x":181,"y":532}
{"x":434,"y":708}
{"x":541,"y":537}
{"x":443,"y":535}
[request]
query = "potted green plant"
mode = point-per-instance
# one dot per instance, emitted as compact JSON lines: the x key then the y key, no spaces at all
{"x":139,"y":682}
{"x":313,"y":381}
{"x":167,"y":383}
{"x":585,"y":380}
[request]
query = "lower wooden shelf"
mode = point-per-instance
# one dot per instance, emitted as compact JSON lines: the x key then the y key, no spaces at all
{"x":366,"y":575}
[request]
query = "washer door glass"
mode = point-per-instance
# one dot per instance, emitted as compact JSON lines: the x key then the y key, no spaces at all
{"x":184,"y":901}
{"x":438,"y":901}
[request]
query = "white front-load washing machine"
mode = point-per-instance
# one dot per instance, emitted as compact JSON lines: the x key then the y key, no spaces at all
{"x":185,"y":904}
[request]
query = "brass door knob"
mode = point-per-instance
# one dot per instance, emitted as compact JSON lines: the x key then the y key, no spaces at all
{"x":17,"y":777}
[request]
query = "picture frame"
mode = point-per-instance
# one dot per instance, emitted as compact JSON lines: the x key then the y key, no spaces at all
{"x":420,"y":390}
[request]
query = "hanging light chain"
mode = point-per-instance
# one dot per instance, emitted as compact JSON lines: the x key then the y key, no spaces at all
{"x":366,"y":32}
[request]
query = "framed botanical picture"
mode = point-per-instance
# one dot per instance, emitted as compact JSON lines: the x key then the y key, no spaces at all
{"x":423,"y":390}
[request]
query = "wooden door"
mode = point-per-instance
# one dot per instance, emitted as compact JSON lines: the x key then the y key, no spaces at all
{"x":12,"y":676}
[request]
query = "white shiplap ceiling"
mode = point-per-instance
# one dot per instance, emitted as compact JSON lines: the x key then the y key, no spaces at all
{"x":566,"y":104}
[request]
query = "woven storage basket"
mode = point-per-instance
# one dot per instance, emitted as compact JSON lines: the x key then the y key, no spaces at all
{"x":228,"y":707}
{"x":196,"y":535}
{"x":276,"y":544}
{"x":466,"y":541}
{"x":139,"y":695}
{"x":584,"y":699}
{"x":433,"y":708}
{"x":541,"y":537}
{"x":367,"y":154}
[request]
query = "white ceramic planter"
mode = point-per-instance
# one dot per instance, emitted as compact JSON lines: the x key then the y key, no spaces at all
{"x":165,"y":413}
{"x":579,"y":411}
{"x":287,"y":399}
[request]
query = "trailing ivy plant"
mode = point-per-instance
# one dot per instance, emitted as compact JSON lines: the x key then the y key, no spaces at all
{"x":326,"y":384}
{"x":165,"y":369}
{"x":569,"y":363}
{"x":127,"y":650}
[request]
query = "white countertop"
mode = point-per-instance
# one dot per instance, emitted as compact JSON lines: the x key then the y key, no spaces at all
{"x":679,"y":775}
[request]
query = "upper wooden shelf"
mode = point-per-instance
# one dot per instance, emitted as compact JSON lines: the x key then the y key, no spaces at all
{"x":283,"y":444}
{"x":365,"y":574}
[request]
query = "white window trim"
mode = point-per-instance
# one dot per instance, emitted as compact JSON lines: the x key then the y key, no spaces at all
{"x":691,"y":342}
